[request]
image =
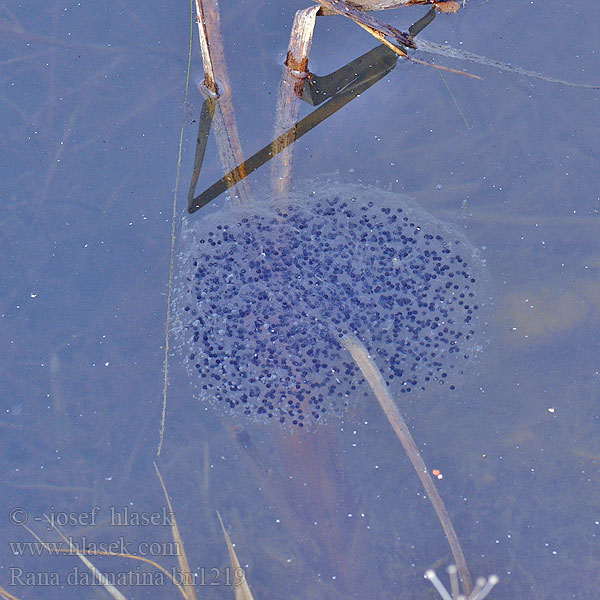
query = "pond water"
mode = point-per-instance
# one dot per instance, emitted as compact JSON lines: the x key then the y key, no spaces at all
{"x":92,"y":110}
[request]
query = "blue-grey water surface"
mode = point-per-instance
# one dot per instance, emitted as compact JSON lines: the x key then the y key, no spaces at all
{"x":92,"y":104}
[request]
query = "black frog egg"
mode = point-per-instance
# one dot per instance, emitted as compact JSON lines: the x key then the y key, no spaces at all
{"x":265,"y":291}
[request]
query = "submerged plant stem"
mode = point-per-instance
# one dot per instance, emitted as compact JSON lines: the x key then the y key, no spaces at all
{"x":375,"y":380}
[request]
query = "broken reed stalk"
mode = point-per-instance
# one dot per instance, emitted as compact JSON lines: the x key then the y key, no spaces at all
{"x":290,"y":92}
{"x":294,"y":75}
{"x":216,"y":86}
{"x":381,"y":31}
{"x":375,"y":380}
{"x":373,"y":5}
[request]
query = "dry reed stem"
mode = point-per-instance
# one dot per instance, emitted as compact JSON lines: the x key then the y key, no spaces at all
{"x":186,"y":573}
{"x":289,"y":97}
{"x":375,"y":380}
{"x":216,"y":84}
{"x":381,"y":31}
{"x":372,"y":5}
{"x":240,"y":585}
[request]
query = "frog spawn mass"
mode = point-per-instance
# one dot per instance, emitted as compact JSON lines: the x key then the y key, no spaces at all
{"x":265,"y":292}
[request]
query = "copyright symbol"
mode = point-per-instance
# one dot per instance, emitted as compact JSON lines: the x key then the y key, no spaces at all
{"x":18,"y":516}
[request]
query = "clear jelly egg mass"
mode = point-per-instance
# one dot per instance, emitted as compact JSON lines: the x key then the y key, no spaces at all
{"x":265,"y":291}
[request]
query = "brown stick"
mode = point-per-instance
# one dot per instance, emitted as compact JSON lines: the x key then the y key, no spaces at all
{"x":288,"y":99}
{"x":216,"y":85}
{"x":441,"y":5}
{"x":374,"y":378}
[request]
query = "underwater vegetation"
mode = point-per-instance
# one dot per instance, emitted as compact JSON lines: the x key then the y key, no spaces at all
{"x":266,"y":291}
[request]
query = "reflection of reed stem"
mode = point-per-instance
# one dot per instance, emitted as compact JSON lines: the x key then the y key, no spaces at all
{"x":374,"y":378}
{"x":216,"y":82}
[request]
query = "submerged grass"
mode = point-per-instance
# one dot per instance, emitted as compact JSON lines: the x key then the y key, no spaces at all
{"x":186,"y":577}
{"x":184,"y":583}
